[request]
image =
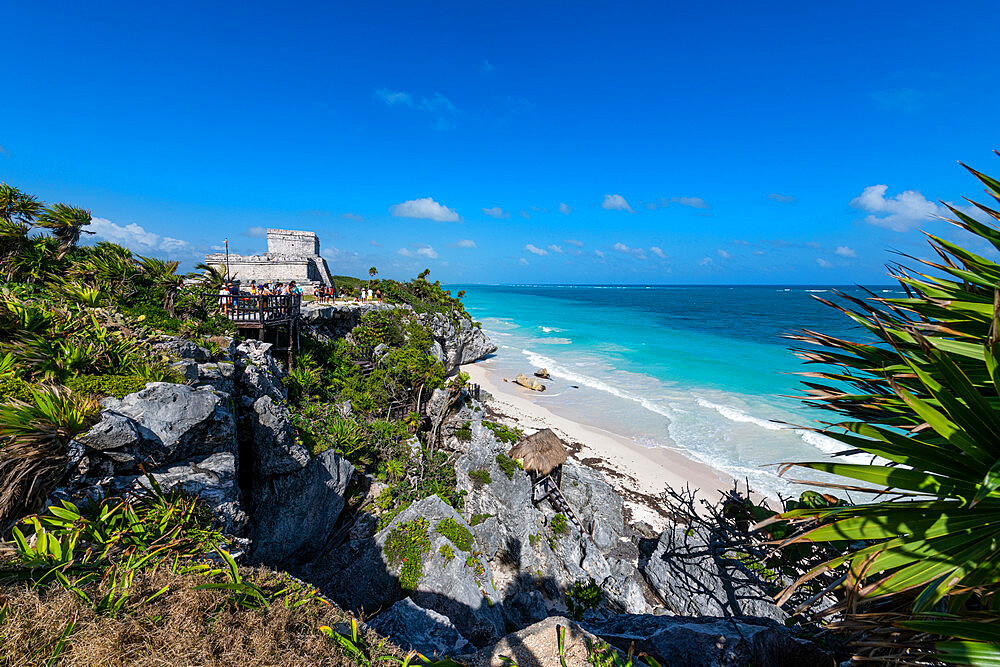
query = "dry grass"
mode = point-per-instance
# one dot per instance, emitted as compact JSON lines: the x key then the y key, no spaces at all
{"x":181,"y":627}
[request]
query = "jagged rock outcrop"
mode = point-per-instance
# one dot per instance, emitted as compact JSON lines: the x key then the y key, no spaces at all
{"x":257,"y":373}
{"x":682,"y":641}
{"x":538,"y":646}
{"x":175,"y":422}
{"x":693,"y":578}
{"x":457,"y":340}
{"x":458,"y":586}
{"x":417,"y":629}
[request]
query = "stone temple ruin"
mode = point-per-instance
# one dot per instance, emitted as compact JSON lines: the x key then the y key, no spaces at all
{"x":291,"y":255}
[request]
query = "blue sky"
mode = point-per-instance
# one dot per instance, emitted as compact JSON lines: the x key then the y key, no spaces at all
{"x":770,"y":142}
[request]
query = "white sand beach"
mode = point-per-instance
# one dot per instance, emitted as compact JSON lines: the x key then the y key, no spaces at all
{"x":638,"y":473}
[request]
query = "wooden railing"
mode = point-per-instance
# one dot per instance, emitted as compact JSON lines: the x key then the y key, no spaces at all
{"x":254,"y":310}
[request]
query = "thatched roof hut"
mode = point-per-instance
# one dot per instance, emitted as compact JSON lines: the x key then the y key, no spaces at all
{"x":541,"y":453}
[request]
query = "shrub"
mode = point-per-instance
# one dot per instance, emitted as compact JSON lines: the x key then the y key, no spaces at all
{"x":118,"y":386}
{"x":14,"y":387}
{"x":456,"y":532}
{"x":504,"y":434}
{"x":582,"y":597}
{"x":508,"y":465}
{"x":406,"y":545}
{"x":559,"y":524}
{"x":153,"y":316}
{"x":465,"y":432}
{"x":479,"y":518}
{"x":480,"y":477}
{"x":447,"y":552}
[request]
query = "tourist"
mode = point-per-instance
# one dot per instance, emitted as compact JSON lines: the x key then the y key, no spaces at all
{"x":369,"y":293}
{"x":294,"y":289}
{"x":224,"y":299}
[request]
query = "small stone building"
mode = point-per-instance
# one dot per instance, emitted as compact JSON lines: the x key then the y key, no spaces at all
{"x":291,"y":255}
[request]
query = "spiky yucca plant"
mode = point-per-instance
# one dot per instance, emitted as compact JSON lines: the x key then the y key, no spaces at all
{"x":923,"y":398}
{"x":33,"y":446}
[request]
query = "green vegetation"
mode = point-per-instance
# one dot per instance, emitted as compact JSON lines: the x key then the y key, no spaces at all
{"x":923,"y":556}
{"x":423,"y":296}
{"x":465,"y":432}
{"x":508,"y":465}
{"x":504,"y":434}
{"x":447,"y":552}
{"x":456,"y":532}
{"x":583,"y":597}
{"x":478,"y":519}
{"x":559,"y":524}
{"x":480,"y":477}
{"x":406,"y":545}
{"x":106,"y":385}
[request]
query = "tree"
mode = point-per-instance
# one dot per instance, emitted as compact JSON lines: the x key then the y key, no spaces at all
{"x":66,"y":224}
{"x":372,"y":272}
{"x":15,"y":206}
{"x":163,"y":273}
{"x":211,"y":277}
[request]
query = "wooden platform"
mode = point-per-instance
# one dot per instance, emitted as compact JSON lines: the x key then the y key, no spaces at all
{"x":261,"y":316}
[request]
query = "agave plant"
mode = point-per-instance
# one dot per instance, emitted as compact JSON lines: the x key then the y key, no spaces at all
{"x":33,"y":446}
{"x":925,"y":400}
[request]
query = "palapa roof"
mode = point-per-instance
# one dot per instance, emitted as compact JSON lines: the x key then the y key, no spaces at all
{"x":541,"y":453}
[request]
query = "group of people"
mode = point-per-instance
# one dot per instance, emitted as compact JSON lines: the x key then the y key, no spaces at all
{"x":278,"y":288}
{"x":330,"y":294}
{"x":230,"y":289}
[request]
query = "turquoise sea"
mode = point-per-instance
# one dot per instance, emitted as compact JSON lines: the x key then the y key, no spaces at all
{"x":699,"y":369}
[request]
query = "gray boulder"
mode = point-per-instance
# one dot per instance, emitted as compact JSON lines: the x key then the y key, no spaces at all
{"x":597,"y":505}
{"x":414,"y":628}
{"x":175,"y":423}
{"x":257,"y":373}
{"x":275,"y":447}
{"x":460,"y":587}
{"x":182,"y":349}
{"x":538,"y":646}
{"x":293,"y":514}
{"x":218,"y":375}
{"x":711,"y":642}
{"x":693,"y":578}
{"x":456,"y":343}
{"x":212,"y":479}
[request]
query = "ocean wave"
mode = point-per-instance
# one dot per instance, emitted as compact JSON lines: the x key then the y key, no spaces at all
{"x":555,"y":341}
{"x":555,"y":369}
{"x":551,"y":329}
{"x":737,"y":415}
{"x":817,"y":290}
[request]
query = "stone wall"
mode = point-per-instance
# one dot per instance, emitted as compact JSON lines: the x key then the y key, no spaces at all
{"x":291,"y":242}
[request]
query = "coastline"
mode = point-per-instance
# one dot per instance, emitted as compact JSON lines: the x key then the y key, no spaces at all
{"x":639,"y":474}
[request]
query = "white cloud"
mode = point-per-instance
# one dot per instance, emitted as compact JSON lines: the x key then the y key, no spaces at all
{"x":844,"y":251}
{"x":723,"y":254}
{"x":900,"y":213}
{"x":424,"y":208}
{"x":635,"y":252}
{"x":418,"y":251}
{"x":255,"y":232}
{"x":352,"y":216}
{"x":577,"y":243}
{"x":564,"y":208}
{"x":375,"y":243}
{"x":823,"y":263}
{"x":522,"y":262}
{"x":693,"y":202}
{"x":392,"y":98}
{"x":525,"y":214}
{"x":599,"y":254}
{"x":136,"y":238}
{"x":658,"y":252}
{"x":437,"y":103}
{"x":555,"y":248}
{"x":465,"y":243}
{"x":536,"y":250}
{"x":705,"y":261}
{"x":496,"y":212}
{"x":781,"y":199}
{"x":615,"y":203}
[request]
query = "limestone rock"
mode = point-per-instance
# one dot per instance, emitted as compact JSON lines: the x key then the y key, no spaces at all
{"x":682,"y":641}
{"x":275,"y":448}
{"x":369,"y":578}
{"x":456,"y":342}
{"x":538,"y":646}
{"x":293,"y":514}
{"x":258,"y":374}
{"x":597,"y":505}
{"x":529,"y":383}
{"x":182,"y":349}
{"x":175,"y":422}
{"x":414,"y":628}
{"x":694,"y":580}
{"x":211,"y":478}
{"x":542,"y":373}
{"x":218,"y":375}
